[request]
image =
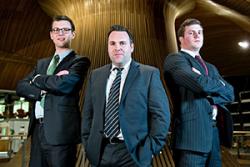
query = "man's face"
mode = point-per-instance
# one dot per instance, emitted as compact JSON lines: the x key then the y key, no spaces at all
{"x":119,"y":48}
{"x":193,"y":38}
{"x":62,"y":34}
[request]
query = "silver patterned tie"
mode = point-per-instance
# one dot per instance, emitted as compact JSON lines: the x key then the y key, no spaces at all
{"x":111,"y":126}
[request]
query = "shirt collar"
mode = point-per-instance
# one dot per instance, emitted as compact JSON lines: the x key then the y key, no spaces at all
{"x":191,"y":53}
{"x":125,"y":67}
{"x":63,"y":54}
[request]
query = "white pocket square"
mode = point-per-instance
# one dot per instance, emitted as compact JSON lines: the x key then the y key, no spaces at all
{"x":196,"y":71}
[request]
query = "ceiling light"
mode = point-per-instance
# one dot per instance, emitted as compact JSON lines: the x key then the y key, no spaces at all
{"x":243,"y":44}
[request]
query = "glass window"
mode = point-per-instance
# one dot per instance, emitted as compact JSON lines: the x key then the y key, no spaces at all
{"x":2,"y":106}
{"x":21,"y":104}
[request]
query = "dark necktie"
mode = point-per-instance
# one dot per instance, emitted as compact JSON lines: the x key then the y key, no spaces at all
{"x":201,"y":61}
{"x":50,"y":71}
{"x":111,"y":126}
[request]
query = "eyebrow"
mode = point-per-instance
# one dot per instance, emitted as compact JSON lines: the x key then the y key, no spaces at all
{"x":118,"y":41}
{"x":61,"y":27}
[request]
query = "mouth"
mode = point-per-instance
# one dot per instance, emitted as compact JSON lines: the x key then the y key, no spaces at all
{"x":118,"y":54}
{"x":61,"y":39}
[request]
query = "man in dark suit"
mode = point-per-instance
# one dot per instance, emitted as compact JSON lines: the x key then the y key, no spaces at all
{"x":199,"y":94}
{"x":141,"y":112}
{"x":54,"y":87}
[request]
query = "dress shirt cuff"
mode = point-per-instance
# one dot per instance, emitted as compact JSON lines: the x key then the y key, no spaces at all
{"x":33,"y":80}
{"x":222,"y":83}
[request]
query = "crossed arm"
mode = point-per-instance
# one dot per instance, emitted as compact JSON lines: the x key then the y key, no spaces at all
{"x":64,"y":82}
{"x":214,"y":87}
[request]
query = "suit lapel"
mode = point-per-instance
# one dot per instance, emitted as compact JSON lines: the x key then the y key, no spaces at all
{"x":194,"y":63}
{"x":103,"y":83}
{"x":65,"y":61}
{"x":132,"y":73}
{"x":101,"y":89}
{"x":44,"y":64}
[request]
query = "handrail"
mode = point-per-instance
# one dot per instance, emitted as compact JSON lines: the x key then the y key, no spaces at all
{"x":18,"y":136}
{"x":241,"y":133}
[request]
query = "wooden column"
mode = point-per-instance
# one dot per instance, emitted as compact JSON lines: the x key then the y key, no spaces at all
{"x":173,"y":10}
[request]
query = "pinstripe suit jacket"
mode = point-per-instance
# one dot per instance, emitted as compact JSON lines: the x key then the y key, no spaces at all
{"x":193,"y":93}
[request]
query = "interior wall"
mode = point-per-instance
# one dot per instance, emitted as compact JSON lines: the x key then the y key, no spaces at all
{"x":94,"y":18}
{"x":24,"y":39}
{"x":25,"y":24}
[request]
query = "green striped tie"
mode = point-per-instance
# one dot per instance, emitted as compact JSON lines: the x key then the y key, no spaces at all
{"x":50,"y":71}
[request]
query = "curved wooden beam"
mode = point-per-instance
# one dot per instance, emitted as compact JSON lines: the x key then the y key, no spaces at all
{"x":239,"y":19}
{"x":172,"y":10}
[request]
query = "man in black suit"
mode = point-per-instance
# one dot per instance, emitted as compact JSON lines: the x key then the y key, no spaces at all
{"x":199,"y":94}
{"x":54,"y":87}
{"x":139,"y":116}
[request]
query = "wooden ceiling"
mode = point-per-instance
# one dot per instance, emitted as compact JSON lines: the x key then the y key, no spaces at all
{"x":24,"y":26}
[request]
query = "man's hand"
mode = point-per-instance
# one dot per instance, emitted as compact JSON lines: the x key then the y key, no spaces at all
{"x":43,"y":92}
{"x":63,"y":72}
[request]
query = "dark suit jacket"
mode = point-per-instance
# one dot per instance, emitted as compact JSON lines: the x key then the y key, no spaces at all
{"x":192,"y":96}
{"x":61,"y":109}
{"x":143,"y":113}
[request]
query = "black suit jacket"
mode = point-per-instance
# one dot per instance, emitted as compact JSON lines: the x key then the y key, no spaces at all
{"x":143,"y":113}
{"x":193,"y":94}
{"x":61,"y":108}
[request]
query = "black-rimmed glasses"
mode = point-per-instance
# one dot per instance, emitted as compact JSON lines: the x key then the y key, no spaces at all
{"x":63,"y":30}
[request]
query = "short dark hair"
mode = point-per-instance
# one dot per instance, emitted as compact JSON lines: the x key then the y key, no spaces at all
{"x":187,"y":22}
{"x":121,"y":28}
{"x":63,"y":17}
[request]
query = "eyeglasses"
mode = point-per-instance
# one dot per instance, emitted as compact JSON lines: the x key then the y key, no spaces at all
{"x":63,"y":30}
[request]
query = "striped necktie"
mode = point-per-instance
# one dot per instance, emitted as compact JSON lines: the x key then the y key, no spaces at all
{"x":50,"y":71}
{"x":53,"y":65}
{"x":111,"y":126}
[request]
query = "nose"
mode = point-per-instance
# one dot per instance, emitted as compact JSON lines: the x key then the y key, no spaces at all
{"x":196,"y":34}
{"x":61,"y":31}
{"x":117,"y":46}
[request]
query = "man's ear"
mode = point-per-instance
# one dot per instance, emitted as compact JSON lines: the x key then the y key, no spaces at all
{"x":51,"y":36}
{"x":180,"y":39}
{"x":132,"y":47}
{"x":73,"y":34}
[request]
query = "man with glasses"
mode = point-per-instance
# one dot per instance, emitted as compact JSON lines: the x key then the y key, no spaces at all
{"x":54,"y":87}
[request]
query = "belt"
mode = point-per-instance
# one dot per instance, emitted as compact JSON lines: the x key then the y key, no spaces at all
{"x":39,"y":120}
{"x":114,"y":140}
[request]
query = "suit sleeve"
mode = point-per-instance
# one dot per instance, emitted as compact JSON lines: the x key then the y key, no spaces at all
{"x":225,"y":96}
{"x":87,"y":114}
{"x":26,"y":89}
{"x":64,"y":84}
{"x":159,"y":113}
{"x":206,"y":86}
